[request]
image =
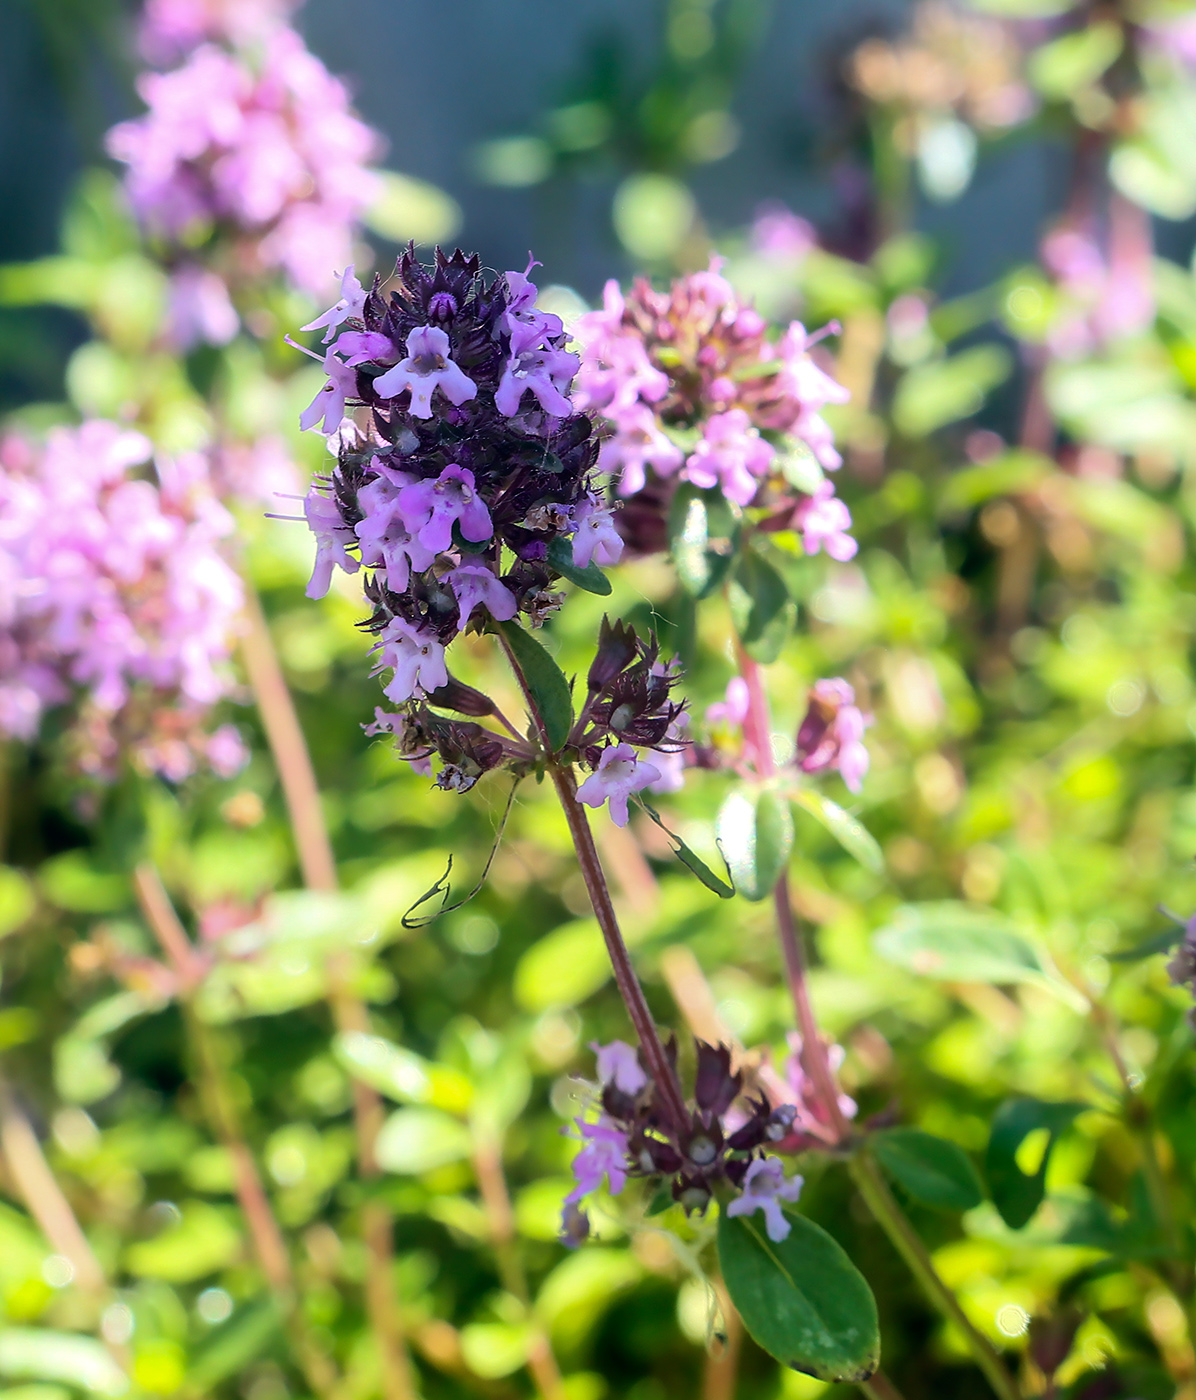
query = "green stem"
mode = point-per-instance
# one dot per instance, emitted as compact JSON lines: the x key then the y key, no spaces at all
{"x":889,"y":1215}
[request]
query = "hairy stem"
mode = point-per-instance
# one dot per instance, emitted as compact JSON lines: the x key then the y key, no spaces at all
{"x":632,"y":993}
{"x":289,"y":748}
{"x":905,"y":1239}
{"x":719,"y":1382}
{"x":43,"y":1197}
{"x":879,"y":1387}
{"x":211,"y":1081}
{"x":496,"y":1199}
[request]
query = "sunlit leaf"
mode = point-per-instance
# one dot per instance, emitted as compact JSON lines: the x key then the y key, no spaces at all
{"x":849,"y":831}
{"x":416,"y":1140}
{"x":45,"y":1355}
{"x":1017,"y":1194}
{"x":932,"y":395}
{"x":755,"y":835}
{"x":703,"y":532}
{"x":761,"y":608}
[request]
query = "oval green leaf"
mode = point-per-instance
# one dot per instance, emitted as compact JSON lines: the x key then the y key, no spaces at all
{"x":929,"y":1169}
{"x":546,"y":682}
{"x":849,"y":831}
{"x":591,"y":578}
{"x":761,"y":608}
{"x":416,"y":1140}
{"x":954,"y":942}
{"x":703,"y":532}
{"x":755,"y":834}
{"x":1018,"y":1194}
{"x":802,"y":1300}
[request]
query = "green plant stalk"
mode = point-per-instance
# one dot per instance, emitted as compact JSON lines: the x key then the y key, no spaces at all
{"x":211,"y":1082}
{"x":292,"y":760}
{"x":889,"y":1215}
{"x":496,"y":1200}
{"x":661,"y":1069}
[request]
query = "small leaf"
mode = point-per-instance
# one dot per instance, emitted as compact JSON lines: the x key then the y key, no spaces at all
{"x":703,"y":532}
{"x":939,"y":392}
{"x":954,"y":942}
{"x":1018,"y":1194}
{"x":1160,"y":943}
{"x":417,"y":1140}
{"x":16,"y":900}
{"x":399,"y":1074}
{"x":761,"y":608}
{"x":928,"y":1168}
{"x":849,"y":831}
{"x":692,"y":862}
{"x":39,"y":1354}
{"x":802,"y":1300}
{"x":591,"y":578}
{"x":563,"y":968}
{"x":545,"y":680}
{"x":755,"y":834}
{"x":1074,"y":61}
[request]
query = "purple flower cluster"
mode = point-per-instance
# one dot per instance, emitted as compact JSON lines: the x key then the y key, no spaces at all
{"x":724,"y":1140}
{"x":694,"y":390}
{"x":464,"y":485}
{"x":170,"y":29}
{"x":1100,"y":296}
{"x":112,"y":583}
{"x":264,"y":149}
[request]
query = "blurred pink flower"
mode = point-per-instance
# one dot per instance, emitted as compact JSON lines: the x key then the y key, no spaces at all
{"x":832,"y":733}
{"x":270,"y":148}
{"x":120,"y":595}
{"x":170,"y":29}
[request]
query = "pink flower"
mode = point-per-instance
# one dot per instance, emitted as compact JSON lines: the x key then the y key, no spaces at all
{"x":200,"y":311}
{"x":426,"y":368}
{"x":399,"y":725}
{"x":823,"y":521}
{"x":521,"y":316}
{"x":351,"y":303}
{"x":832,"y":733}
{"x":604,"y":1154}
{"x":764,"y":1188}
{"x":595,"y":536}
{"x":430,"y":509}
{"x":780,"y":233}
{"x":332,"y":538}
{"x":618,"y":1064}
{"x":476,"y":586}
{"x":639,"y":442}
{"x":543,"y":370}
{"x":416,"y":657}
{"x":329,"y":403}
{"x":384,"y":534}
{"x":731,"y":454}
{"x":619,"y":774}
{"x":734,"y":709}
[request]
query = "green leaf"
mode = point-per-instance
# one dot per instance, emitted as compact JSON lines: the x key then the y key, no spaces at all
{"x":761,"y":608}
{"x":999,"y":476}
{"x":755,"y":835}
{"x":38,"y":1354}
{"x":932,"y":395}
{"x":563,"y":968}
{"x":1149,"y":947}
{"x":703,"y":531}
{"x":417,"y":1140}
{"x":690,"y":859}
{"x":802,"y":1300}
{"x":1018,"y":1194}
{"x":591,"y":578}
{"x":203,"y":1241}
{"x":928,"y":1168}
{"x":406,"y":208}
{"x":1073,"y":61}
{"x":234,"y":1344}
{"x":398,"y":1073}
{"x":849,"y":831}
{"x":16,"y":900}
{"x":546,"y":682}
{"x":954,"y":942}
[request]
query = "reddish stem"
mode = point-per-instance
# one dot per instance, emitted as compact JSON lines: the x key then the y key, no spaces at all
{"x":757,"y":727}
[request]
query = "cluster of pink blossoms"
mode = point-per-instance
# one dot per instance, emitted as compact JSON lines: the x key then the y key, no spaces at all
{"x":830,"y":737}
{"x":258,"y":144}
{"x":112,"y":583}
{"x":170,"y":29}
{"x":694,"y":390}
{"x":1103,"y":297}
